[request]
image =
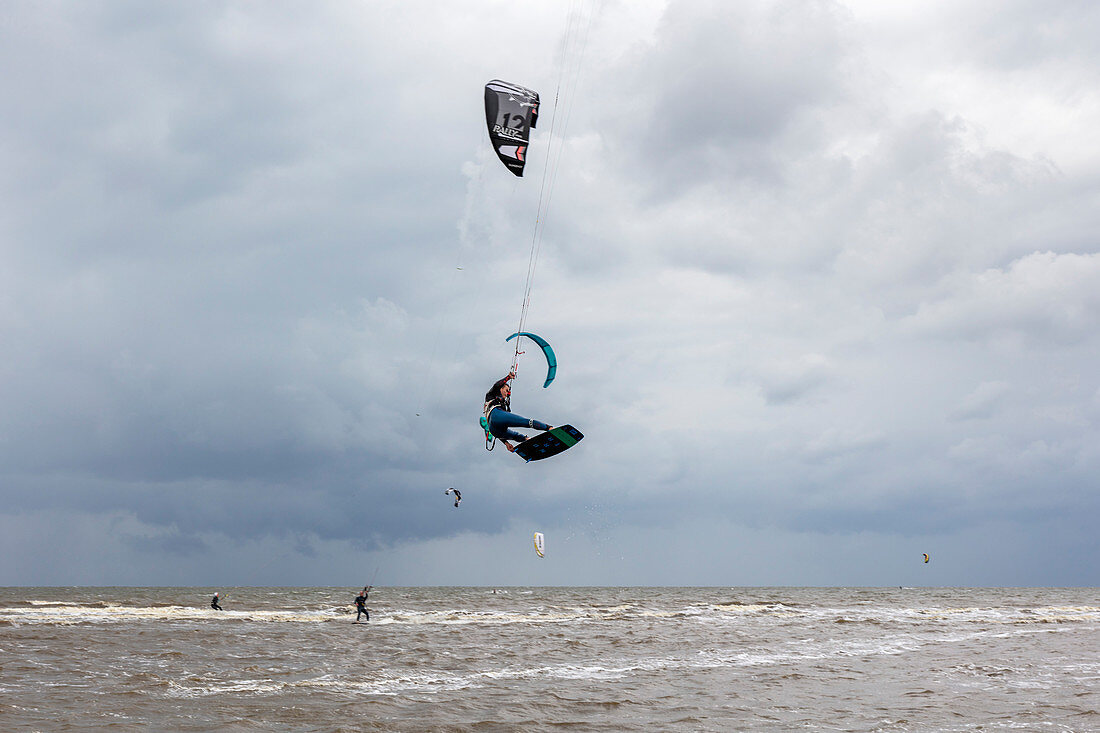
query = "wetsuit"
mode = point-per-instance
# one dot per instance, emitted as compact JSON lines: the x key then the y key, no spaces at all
{"x":214,"y":603}
{"x":360,"y":608}
{"x":500,"y":418}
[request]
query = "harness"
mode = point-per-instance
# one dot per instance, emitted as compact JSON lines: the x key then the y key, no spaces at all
{"x":487,"y":409}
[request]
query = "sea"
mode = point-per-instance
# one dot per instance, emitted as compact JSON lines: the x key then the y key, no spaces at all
{"x":550,"y":659}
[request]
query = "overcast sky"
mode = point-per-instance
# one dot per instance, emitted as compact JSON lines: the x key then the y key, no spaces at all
{"x":823,"y":279}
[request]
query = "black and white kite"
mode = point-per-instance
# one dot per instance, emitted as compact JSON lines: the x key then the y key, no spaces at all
{"x":457,"y":493}
{"x":510,"y":112}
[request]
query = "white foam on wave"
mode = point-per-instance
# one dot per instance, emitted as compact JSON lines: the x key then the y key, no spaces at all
{"x":537,"y":615}
{"x":223,"y":687}
{"x":382,"y":681}
{"x":463,"y":617}
{"x":907,"y":615}
{"x":1003,"y":676}
{"x":399,"y":684}
{"x":64,"y":613}
{"x":728,"y":611}
{"x":68,"y":614}
{"x":1058,"y":615}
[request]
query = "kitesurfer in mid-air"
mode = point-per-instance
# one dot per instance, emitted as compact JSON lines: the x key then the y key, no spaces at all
{"x":214,"y":603}
{"x":360,"y":604}
{"x":498,"y":405}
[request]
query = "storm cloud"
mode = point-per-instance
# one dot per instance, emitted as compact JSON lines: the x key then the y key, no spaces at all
{"x":823,"y":279}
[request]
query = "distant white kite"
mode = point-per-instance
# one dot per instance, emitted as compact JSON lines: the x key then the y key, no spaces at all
{"x":457,"y":493}
{"x":540,"y":544}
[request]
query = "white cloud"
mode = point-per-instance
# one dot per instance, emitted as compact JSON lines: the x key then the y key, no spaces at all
{"x":983,"y":401}
{"x":1041,"y":296}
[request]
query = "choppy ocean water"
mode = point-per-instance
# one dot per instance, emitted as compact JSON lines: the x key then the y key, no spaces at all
{"x":531,"y":659}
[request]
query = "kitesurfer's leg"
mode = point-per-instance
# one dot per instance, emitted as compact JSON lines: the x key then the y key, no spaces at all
{"x":500,"y":421}
{"x":499,"y":424}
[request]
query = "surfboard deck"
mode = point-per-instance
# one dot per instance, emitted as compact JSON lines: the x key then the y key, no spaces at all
{"x":550,"y":443}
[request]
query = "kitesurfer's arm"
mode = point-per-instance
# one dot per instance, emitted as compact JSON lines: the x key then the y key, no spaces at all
{"x":495,"y":389}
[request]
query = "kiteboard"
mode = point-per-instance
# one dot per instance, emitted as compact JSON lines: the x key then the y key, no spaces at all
{"x":550,"y":443}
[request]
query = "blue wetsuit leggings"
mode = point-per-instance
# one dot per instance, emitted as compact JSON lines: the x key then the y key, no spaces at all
{"x":500,"y":421}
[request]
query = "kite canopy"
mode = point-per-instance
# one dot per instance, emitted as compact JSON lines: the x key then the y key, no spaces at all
{"x":510,"y":113}
{"x":539,"y":544}
{"x":926,"y":558}
{"x":551,"y":360}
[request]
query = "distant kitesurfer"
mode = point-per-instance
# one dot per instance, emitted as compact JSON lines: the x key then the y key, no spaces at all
{"x":214,"y":603}
{"x":499,"y":418}
{"x":360,"y":604}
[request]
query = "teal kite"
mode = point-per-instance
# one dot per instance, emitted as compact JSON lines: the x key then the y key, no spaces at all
{"x":551,"y":360}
